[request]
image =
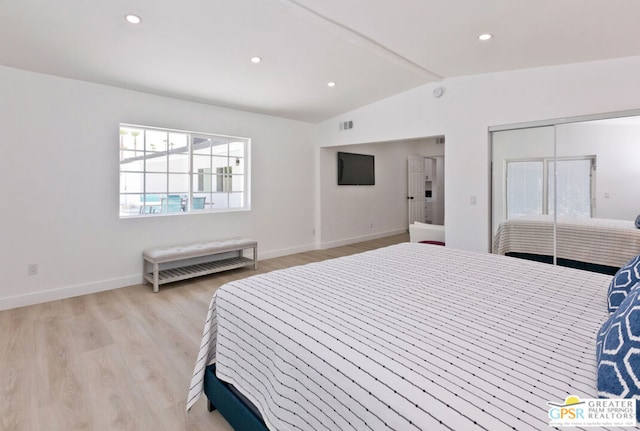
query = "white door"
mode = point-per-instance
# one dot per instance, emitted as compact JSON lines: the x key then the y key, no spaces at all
{"x":415,"y":195}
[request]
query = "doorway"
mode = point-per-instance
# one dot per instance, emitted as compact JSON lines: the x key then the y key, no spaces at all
{"x":425,"y":186}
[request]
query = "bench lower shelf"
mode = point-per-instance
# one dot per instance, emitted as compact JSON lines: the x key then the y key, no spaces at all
{"x":190,"y":271}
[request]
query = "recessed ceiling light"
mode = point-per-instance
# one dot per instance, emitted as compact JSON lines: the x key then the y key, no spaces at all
{"x":256,"y":59}
{"x":331,"y":84}
{"x":485,"y":36}
{"x":133,"y":19}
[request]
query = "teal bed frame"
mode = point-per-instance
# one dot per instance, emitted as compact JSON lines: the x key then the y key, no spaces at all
{"x":593,"y":267}
{"x":230,"y":403}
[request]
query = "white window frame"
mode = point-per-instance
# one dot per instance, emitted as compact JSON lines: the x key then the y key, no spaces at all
{"x":139,"y":197}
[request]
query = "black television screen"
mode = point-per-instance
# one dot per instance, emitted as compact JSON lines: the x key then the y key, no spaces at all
{"x":356,"y":169}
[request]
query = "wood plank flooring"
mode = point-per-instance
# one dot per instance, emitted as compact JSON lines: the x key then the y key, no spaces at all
{"x":118,"y":360}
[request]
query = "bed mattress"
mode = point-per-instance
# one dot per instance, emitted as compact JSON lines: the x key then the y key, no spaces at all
{"x":592,"y":240}
{"x":408,"y":337}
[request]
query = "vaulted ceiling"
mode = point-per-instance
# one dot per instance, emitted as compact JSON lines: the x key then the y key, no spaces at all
{"x":201,"y":49}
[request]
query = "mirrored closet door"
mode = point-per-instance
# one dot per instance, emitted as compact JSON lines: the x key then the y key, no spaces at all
{"x":568,"y":192}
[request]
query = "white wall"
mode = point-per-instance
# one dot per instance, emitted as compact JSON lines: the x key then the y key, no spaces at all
{"x":59,"y":172}
{"x":356,"y":213}
{"x":59,"y":167}
{"x":429,"y":148}
{"x":617,"y":150}
{"x":469,"y":106}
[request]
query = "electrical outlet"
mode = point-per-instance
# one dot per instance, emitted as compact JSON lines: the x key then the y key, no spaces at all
{"x":32,"y":269}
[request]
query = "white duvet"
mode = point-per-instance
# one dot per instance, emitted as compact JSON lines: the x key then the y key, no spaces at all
{"x":408,"y":337}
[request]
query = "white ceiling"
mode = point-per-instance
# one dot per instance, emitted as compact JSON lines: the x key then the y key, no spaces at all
{"x":200,"y":49}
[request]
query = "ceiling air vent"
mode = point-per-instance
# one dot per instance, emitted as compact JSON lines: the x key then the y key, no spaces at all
{"x":345,"y":125}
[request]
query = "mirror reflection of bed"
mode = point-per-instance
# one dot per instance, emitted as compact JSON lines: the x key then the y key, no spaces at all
{"x":565,"y":191}
{"x":594,"y":244}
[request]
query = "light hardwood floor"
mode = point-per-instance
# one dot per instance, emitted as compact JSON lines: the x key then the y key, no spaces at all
{"x":118,"y":360}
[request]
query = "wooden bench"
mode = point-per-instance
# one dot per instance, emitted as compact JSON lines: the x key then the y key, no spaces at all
{"x":169,"y":264}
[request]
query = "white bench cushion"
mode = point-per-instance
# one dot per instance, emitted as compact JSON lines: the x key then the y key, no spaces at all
{"x":168,"y":254}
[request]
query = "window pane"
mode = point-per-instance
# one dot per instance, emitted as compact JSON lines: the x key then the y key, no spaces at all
{"x":125,"y":142}
{"x":151,"y":198}
{"x":223,"y":183}
{"x":524,"y":188}
{"x":220,"y":147}
{"x":156,"y":162}
{"x":132,"y":161}
{"x":155,"y":140}
{"x":179,"y":162}
{"x":573,"y":183}
{"x":127,"y":156}
{"x":236,"y":200}
{"x":138,"y":139}
{"x":219,"y":162}
{"x":179,"y":183}
{"x":131,"y":182}
{"x":156,"y":183}
{"x":237,"y":183}
{"x":129,"y":205}
{"x":178,"y":142}
{"x":201,"y":146}
{"x":238,"y":165}
{"x":200,"y":202}
{"x":220,"y":200}
{"x":131,"y":139}
{"x":236,"y":149}
{"x":202,"y":181}
{"x":201,"y":162}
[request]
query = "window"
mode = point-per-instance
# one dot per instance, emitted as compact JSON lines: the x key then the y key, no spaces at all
{"x":530,"y":187}
{"x":574,"y":183}
{"x":525,"y":182}
{"x":169,"y":171}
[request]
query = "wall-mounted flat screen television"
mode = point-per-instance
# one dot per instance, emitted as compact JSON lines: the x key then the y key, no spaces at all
{"x":356,"y":169}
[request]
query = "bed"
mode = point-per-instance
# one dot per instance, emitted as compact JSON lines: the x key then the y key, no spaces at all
{"x":407,"y":337}
{"x":601,"y":245}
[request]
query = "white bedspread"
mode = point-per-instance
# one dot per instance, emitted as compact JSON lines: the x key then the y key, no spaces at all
{"x":592,"y":240}
{"x":408,"y":337}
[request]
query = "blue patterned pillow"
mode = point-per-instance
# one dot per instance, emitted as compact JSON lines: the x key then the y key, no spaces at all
{"x":618,"y":352}
{"x":625,"y":279}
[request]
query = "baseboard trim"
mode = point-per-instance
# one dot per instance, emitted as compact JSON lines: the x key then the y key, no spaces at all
{"x":40,"y":297}
{"x":16,"y":301}
{"x":362,"y":238}
{"x":285,"y":251}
